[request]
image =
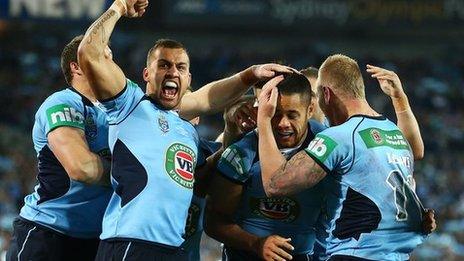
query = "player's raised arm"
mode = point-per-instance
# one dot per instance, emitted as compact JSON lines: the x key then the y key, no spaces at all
{"x":391,"y":85}
{"x":281,"y":177}
{"x":216,"y":96}
{"x":70,"y":148}
{"x":94,"y":55}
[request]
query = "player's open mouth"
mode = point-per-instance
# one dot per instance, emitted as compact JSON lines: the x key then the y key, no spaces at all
{"x":169,"y":90}
{"x":284,"y":135}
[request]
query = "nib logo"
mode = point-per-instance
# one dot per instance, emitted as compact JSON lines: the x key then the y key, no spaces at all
{"x":64,"y":115}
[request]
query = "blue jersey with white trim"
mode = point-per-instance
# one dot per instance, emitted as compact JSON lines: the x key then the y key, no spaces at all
{"x":373,"y":209}
{"x":294,"y":216}
{"x":58,"y":202}
{"x":154,"y":157}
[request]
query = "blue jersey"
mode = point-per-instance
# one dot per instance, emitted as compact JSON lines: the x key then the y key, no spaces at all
{"x":64,"y":205}
{"x":195,"y":221}
{"x":194,"y":227}
{"x":373,"y":209}
{"x":294,"y":216}
{"x":154,"y":157}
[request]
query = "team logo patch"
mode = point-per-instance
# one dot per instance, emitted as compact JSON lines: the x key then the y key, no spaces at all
{"x":64,"y":115}
{"x":281,"y":208}
{"x":376,"y":136}
{"x":234,"y":157}
{"x":163,"y":124}
{"x":321,"y":147}
{"x":180,"y":164}
{"x":192,"y":221}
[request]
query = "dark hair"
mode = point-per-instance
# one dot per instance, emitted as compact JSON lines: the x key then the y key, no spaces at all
{"x":296,"y":83}
{"x":310,"y":72}
{"x":165,"y":43}
{"x":69,"y":55}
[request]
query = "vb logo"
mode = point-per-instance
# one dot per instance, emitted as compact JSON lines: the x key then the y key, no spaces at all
{"x":184,"y":165}
{"x":180,"y":164}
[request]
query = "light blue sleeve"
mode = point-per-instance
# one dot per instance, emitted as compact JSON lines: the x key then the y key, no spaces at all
{"x":61,"y":109}
{"x":236,"y":161}
{"x":316,"y":126}
{"x":119,"y":107}
{"x":331,"y":149}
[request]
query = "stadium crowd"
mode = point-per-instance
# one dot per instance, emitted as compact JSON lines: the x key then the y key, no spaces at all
{"x":30,"y":71}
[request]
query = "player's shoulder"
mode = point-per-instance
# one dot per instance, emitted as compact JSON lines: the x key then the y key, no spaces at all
{"x":62,"y":96}
{"x":61,"y":100}
{"x":209,"y":147}
{"x":316,"y":126}
{"x":237,"y":159}
{"x":62,"y":108}
{"x":131,"y":84}
{"x":345,"y":131}
{"x":245,"y":148}
{"x":248,"y":142}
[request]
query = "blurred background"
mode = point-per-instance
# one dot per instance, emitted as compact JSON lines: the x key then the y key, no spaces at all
{"x":420,"y":40}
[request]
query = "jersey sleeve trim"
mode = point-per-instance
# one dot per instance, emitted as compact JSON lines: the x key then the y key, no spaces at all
{"x":59,"y":126}
{"x":324,"y":167}
{"x":64,"y":115}
{"x":235,"y":181}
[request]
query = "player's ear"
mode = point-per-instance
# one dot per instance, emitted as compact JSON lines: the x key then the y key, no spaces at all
{"x":75,"y":68}
{"x":189,"y":79}
{"x":311,"y":107}
{"x":326,"y":93}
{"x":145,"y":74}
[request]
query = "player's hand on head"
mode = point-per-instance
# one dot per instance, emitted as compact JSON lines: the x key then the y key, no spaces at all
{"x":429,"y":223}
{"x":267,"y":100}
{"x":388,"y":80}
{"x":275,"y":248}
{"x":269,"y":70}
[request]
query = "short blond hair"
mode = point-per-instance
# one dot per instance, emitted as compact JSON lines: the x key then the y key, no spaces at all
{"x":343,"y":74}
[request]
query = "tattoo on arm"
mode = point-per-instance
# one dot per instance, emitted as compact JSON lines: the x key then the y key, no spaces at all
{"x":99,"y":24}
{"x":298,"y":173}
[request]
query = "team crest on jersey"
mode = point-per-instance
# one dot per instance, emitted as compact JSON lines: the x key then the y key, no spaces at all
{"x":281,"y":208}
{"x":163,"y":124}
{"x":180,"y":164}
{"x":376,"y":136}
{"x":90,"y":127}
{"x":192,"y":221}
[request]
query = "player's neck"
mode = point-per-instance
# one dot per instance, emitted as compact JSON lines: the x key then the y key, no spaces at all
{"x":83,"y":87}
{"x":359,"y":106}
{"x":347,"y":108}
